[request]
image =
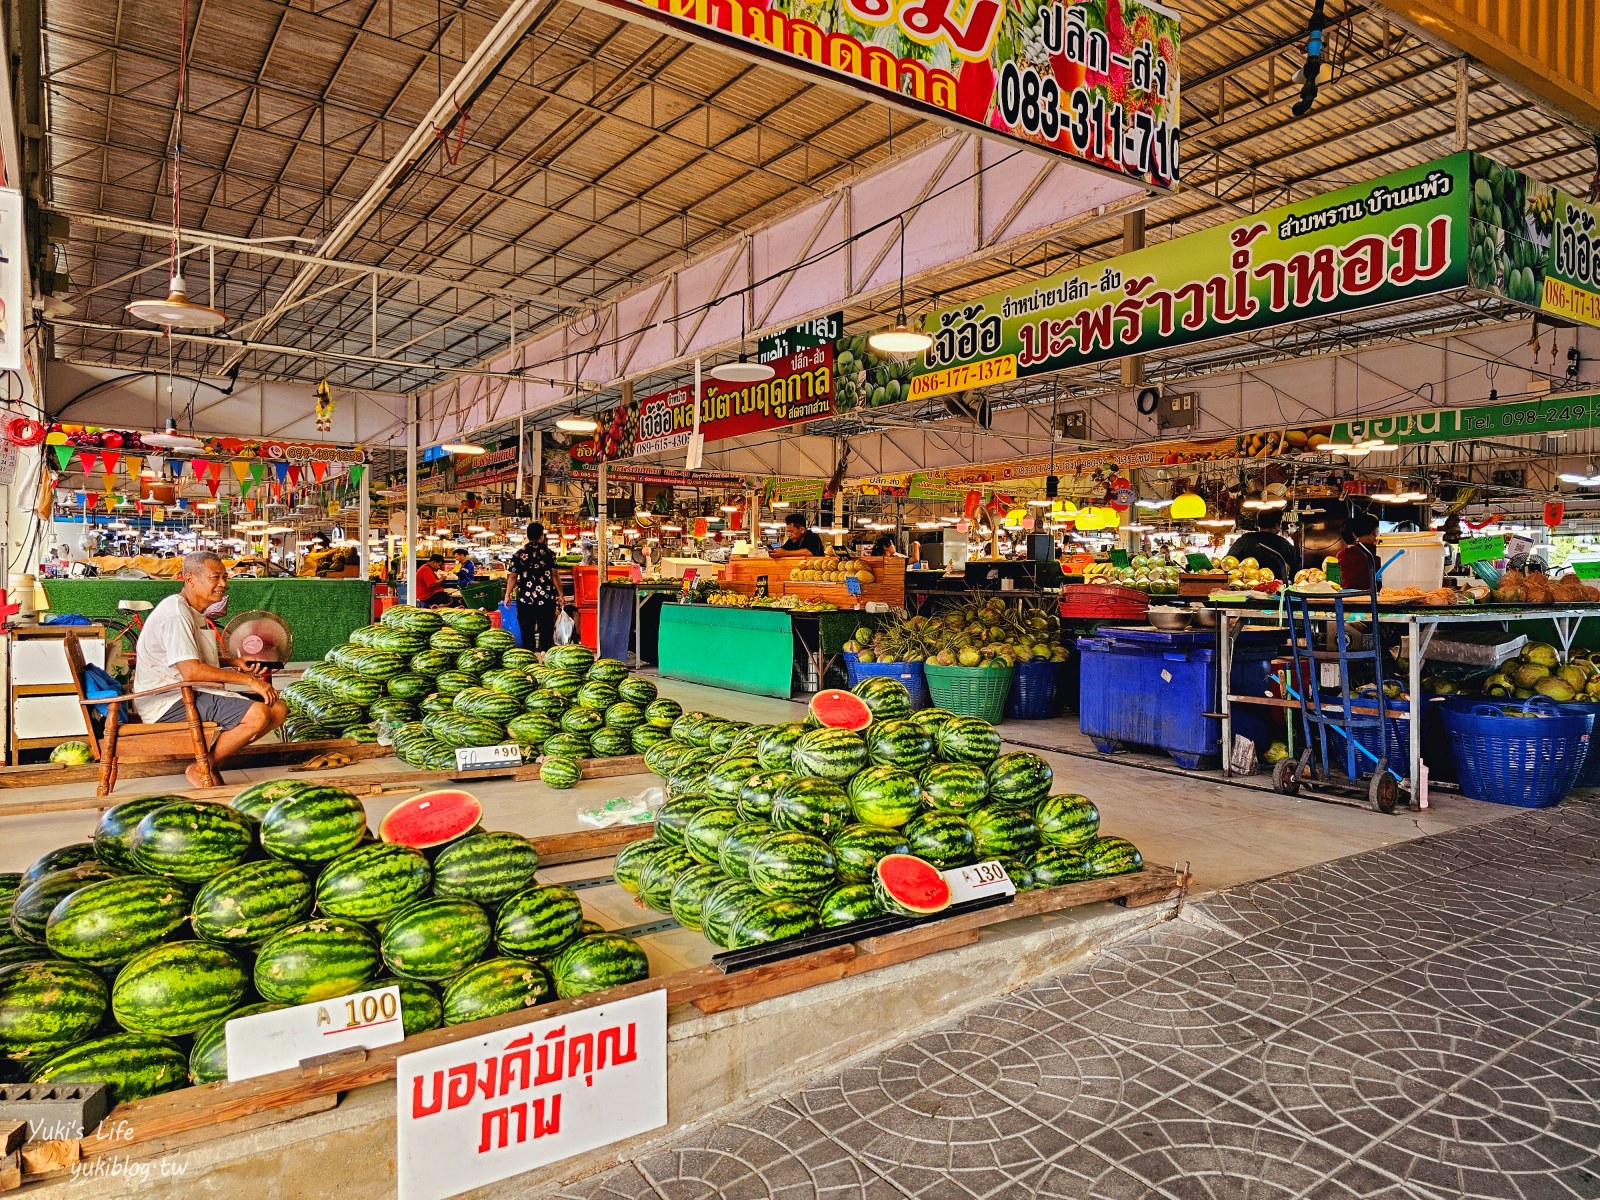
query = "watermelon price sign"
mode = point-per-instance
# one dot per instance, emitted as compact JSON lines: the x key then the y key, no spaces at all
{"x":1482,"y":549}
{"x":278,"y":1041}
{"x":979,"y":880}
{"x":480,"y":1110}
{"x":487,"y":758}
{"x":1586,"y":570}
{"x":1119,"y":558}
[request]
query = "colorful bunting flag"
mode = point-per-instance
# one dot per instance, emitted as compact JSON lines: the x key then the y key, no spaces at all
{"x":199,"y":465}
{"x":283,"y":471}
{"x":135,"y":465}
{"x":111,"y":501}
{"x":241,"y":469}
{"x":108,"y":480}
{"x":87,"y":460}
{"x":355,"y":474}
{"x":318,"y":470}
{"x":109,"y":459}
{"x":63,"y":456}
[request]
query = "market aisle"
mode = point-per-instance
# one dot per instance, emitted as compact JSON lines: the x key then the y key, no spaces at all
{"x":1417,"y":1022}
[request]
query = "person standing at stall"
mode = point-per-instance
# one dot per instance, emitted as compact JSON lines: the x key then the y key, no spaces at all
{"x":803,"y":541}
{"x":1359,"y":559}
{"x":1267,"y":546}
{"x":533,"y":583}
{"x":466,"y":570}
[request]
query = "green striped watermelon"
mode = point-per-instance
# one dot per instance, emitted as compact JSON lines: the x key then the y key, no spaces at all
{"x":607,"y":670}
{"x":661,"y":713}
{"x":900,"y":744}
{"x":1067,"y":820}
{"x":485,"y":867}
{"x":475,"y":660}
{"x":910,"y":886}
{"x":531,"y":729}
{"x":408,"y":685}
{"x":208,"y":1057}
{"x":599,"y":696}
{"x":1020,"y":778}
{"x":726,"y":778}
{"x":967,"y":740}
{"x":560,"y":772}
{"x":772,"y":919}
{"x":30,"y":911}
{"x":63,"y":858}
{"x":665,"y":755}
{"x":933,"y":720}
{"x":857,"y":849}
{"x":582,"y":721}
{"x":597,"y":962}
{"x":624,"y":715}
{"x":538,"y":921}
{"x":509,"y":683}
{"x":408,"y":618}
{"x":610,"y":743}
{"x":721,"y":907}
{"x":689,"y":893}
{"x":251,"y":902}
{"x":886,"y":697}
{"x":316,"y":960}
{"x":13,"y":953}
{"x":954,"y":787}
{"x":702,"y":836}
{"x":191,"y":841}
{"x":48,"y":1006}
{"x":481,"y":702}
{"x":567,"y":745}
{"x":760,"y":791}
{"x":724,"y":734}
{"x":448,"y":683}
{"x":132,"y":1065}
{"x":565,"y":684}
{"x":646,"y":736}
{"x":519,"y":659}
{"x":673,"y":817}
{"x":659,"y":874}
{"x":420,"y":1007}
{"x":435,"y":939}
{"x":314,"y":826}
{"x":451,"y":641}
{"x":431,"y":663}
{"x":113,"y":836}
{"x":788,"y":863}
{"x":810,"y":804}
{"x":498,"y":640}
{"x":1019,"y":872}
{"x":1053,"y":866}
{"x":631,"y":859}
{"x":693,"y":729}
{"x":372,"y":881}
{"x":941,"y":838}
{"x":738,"y":843}
{"x":177,"y":988}
{"x":493,"y":987}
{"x":637,"y":691}
{"x":886,"y":796}
{"x":1002,"y":831}
{"x":847,"y":904}
{"x":572,"y":656}
{"x":110,"y":921}
{"x":830,"y":753}
{"x":1111,"y":856}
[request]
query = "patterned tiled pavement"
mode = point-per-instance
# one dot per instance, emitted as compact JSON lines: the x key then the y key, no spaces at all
{"x":1417,"y":1022}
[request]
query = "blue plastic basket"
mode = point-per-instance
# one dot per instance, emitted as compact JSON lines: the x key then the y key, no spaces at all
{"x":910,"y":674}
{"x":1589,"y":776}
{"x":1527,"y":762}
{"x":1034,"y":694}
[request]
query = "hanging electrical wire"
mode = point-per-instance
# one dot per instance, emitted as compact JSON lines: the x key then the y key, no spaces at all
{"x":1313,"y":65}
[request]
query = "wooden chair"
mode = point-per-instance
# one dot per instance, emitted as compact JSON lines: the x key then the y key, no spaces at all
{"x":134,"y":741}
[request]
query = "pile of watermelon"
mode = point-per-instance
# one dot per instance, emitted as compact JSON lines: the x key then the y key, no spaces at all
{"x":123,"y":958}
{"x":444,"y":678}
{"x":774,"y":831}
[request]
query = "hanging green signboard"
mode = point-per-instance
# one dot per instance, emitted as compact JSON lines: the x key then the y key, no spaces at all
{"x":1541,"y":414}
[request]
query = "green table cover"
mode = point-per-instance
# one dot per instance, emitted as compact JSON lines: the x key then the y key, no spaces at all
{"x":321,"y":613}
{"x":742,"y":649}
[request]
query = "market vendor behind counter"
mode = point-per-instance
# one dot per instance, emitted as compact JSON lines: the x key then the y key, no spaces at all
{"x":803,"y":541}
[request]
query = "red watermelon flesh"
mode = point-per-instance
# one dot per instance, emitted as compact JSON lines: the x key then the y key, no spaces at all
{"x":838,"y":709}
{"x":912,"y":884}
{"x":431,"y":819}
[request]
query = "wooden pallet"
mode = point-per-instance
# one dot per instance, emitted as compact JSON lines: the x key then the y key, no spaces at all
{"x":216,"y":1110}
{"x":263,"y":754}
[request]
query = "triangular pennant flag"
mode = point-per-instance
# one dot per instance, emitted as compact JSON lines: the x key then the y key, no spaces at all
{"x":109,"y":480}
{"x":257,"y":470}
{"x":240,"y":469}
{"x":224,"y":504}
{"x":294,"y":475}
{"x":318,"y":470}
{"x":215,"y":470}
{"x":211,"y":485}
{"x":87,"y":460}
{"x":135,"y":465}
{"x":250,"y":505}
{"x":244,"y":486}
{"x":109,"y":459}
{"x":63,"y":456}
{"x":111,"y":501}
{"x":198,"y":466}
{"x":283,"y":471}
{"x":355,"y":474}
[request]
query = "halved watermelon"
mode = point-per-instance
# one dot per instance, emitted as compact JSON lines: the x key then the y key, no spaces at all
{"x":910,"y":885}
{"x":431,"y":819}
{"x":839,"y":709}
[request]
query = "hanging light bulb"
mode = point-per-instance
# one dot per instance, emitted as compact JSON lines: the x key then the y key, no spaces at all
{"x":577,"y":423}
{"x":902,"y":339}
{"x":1188,"y":507}
{"x":742,"y":370}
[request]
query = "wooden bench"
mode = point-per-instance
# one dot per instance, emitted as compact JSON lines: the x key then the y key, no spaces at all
{"x":134,"y":741}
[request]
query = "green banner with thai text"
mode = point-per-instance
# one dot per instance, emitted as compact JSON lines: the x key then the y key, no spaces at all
{"x":1543,"y":414}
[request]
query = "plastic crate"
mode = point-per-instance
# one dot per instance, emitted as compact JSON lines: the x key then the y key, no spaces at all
{"x":910,"y":674}
{"x":1526,"y":762}
{"x":1034,"y":692}
{"x":1103,"y":601}
{"x":971,"y":691}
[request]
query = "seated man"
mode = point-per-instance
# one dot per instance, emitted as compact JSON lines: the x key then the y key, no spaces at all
{"x":431,"y":592}
{"x":177,"y":644}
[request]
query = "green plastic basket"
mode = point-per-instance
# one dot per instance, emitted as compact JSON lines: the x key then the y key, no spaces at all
{"x":970,"y":691}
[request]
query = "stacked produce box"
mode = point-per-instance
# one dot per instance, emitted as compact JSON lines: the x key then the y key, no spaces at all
{"x":123,"y":958}
{"x":444,"y":678}
{"x":775,"y":831}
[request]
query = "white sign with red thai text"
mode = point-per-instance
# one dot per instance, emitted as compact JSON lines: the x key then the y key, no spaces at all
{"x":477,"y":1111}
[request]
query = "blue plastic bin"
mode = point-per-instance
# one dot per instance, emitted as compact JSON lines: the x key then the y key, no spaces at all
{"x":1526,"y":762}
{"x":1141,"y":688}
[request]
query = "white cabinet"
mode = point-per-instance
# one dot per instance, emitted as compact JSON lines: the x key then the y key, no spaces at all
{"x":43,"y":709}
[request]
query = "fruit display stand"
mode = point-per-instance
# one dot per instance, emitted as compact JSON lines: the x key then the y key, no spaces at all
{"x":321,"y":613}
{"x":1417,"y":625}
{"x":887,"y":583}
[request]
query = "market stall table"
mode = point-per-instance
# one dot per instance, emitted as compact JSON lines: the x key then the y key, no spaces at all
{"x":321,"y":613}
{"x":1420,"y":625}
{"x":754,"y":649}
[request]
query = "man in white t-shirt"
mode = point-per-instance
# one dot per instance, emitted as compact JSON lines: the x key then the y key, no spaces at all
{"x":177,"y":644}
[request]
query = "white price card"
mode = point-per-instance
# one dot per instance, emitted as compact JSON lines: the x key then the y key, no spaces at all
{"x":979,"y":880}
{"x":484,"y":758}
{"x":277,"y":1041}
